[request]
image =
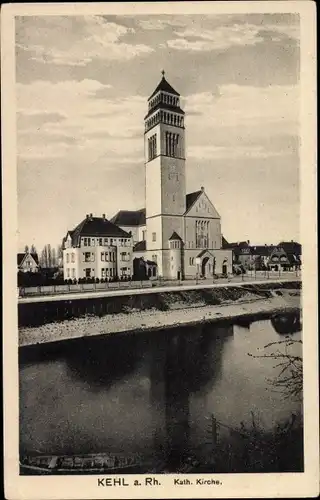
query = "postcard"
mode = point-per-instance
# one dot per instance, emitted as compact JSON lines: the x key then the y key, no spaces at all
{"x":160,"y":250}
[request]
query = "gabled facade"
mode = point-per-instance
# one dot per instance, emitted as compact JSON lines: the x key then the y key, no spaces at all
{"x":28,"y":262}
{"x":97,"y":248}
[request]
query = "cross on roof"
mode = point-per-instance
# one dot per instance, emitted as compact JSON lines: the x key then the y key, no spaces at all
{"x":163,"y":72}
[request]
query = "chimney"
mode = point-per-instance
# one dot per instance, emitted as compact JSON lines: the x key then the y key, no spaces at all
{"x":202,"y":188}
{"x":104,"y":216}
{"x":248,"y":241}
{"x":90,"y":216}
{"x":87,"y":216}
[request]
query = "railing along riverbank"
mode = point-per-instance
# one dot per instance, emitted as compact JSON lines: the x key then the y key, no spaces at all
{"x":130,"y":285}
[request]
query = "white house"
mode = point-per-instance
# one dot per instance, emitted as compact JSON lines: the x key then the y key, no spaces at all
{"x":97,"y":248}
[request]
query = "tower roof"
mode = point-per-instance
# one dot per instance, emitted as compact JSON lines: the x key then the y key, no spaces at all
{"x":165,"y":86}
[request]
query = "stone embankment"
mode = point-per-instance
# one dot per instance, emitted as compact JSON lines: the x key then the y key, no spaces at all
{"x":151,"y":312}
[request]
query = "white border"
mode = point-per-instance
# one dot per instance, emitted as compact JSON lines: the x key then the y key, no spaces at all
{"x":233,"y":485}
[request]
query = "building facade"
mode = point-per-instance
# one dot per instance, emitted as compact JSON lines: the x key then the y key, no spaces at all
{"x":179,"y":232}
{"x":98,"y":249}
{"x":28,"y":262}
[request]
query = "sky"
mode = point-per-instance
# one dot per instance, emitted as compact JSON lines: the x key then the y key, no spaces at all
{"x":82,"y":84}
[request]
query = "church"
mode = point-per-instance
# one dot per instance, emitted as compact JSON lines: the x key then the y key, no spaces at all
{"x":177,"y":233}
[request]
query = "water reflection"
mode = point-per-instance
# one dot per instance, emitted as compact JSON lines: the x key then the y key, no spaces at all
{"x":147,"y":393}
{"x":288,"y":323}
{"x":103,"y":361}
{"x":183,"y":362}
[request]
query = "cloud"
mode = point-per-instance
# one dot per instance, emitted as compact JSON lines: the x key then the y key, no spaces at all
{"x":37,"y":119}
{"x":239,"y":105}
{"x":210,"y":152}
{"x":243,"y":122}
{"x":76,"y":41}
{"x":158,"y":24}
{"x":219,"y":38}
{"x":197,"y":39}
{"x":91,"y":128}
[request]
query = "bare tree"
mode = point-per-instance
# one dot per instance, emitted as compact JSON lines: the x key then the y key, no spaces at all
{"x":289,"y":380}
{"x":53,"y":257}
{"x":33,"y":249}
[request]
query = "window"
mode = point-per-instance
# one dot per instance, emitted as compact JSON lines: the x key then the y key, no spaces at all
{"x":73,"y":273}
{"x":68,"y":258}
{"x":92,"y":242}
{"x":72,"y":257}
{"x":103,"y":256}
{"x":107,"y":256}
{"x":85,"y":242}
{"x":124,"y":256}
{"x":87,"y":256}
{"x":154,"y":236}
{"x":202,"y":234}
{"x":172,"y":144}
{"x":68,"y":273}
{"x":111,"y":272}
{"x":111,"y":241}
{"x":152,"y":147}
{"x":191,"y":261}
{"x":103,"y":273}
{"x":106,"y":241}
{"x":87,"y":272}
{"x":100,"y":242}
{"x":143,"y":235}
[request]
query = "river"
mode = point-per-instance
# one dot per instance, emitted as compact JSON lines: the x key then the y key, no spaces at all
{"x":146,"y":393}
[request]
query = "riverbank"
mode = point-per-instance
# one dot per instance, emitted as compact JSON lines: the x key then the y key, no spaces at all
{"x":171,"y":310}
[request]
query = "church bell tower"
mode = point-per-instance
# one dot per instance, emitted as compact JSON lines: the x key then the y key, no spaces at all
{"x":164,"y":141}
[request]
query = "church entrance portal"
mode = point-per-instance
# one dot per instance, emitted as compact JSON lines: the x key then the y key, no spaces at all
{"x":204,"y":266}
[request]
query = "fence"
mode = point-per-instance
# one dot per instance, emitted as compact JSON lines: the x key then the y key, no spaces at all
{"x":125,"y":285}
{"x":81,"y":287}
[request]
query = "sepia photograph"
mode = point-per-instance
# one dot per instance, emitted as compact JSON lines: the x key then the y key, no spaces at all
{"x":159,"y":260}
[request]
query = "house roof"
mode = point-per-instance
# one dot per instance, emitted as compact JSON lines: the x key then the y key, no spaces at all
{"x":191,"y":198}
{"x":165,"y":86}
{"x":130,"y":218}
{"x":263,"y":250}
{"x":140,"y":246}
{"x":291,"y":247}
{"x":96,"y":226}
{"x":21,"y":256}
{"x":175,"y":236}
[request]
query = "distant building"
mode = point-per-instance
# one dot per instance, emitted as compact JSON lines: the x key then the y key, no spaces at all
{"x":97,"y":248}
{"x":28,"y":262}
{"x":284,"y":256}
{"x":179,"y":232}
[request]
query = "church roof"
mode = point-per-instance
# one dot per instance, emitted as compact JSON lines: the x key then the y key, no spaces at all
{"x":165,"y":86}
{"x":130,"y":218}
{"x":191,"y":198}
{"x":175,"y":236}
{"x":165,"y":106}
{"x":96,"y":226}
{"x":138,"y":217}
{"x":140,"y":246}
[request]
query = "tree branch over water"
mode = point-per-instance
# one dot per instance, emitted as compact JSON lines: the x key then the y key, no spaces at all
{"x":289,"y":380}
